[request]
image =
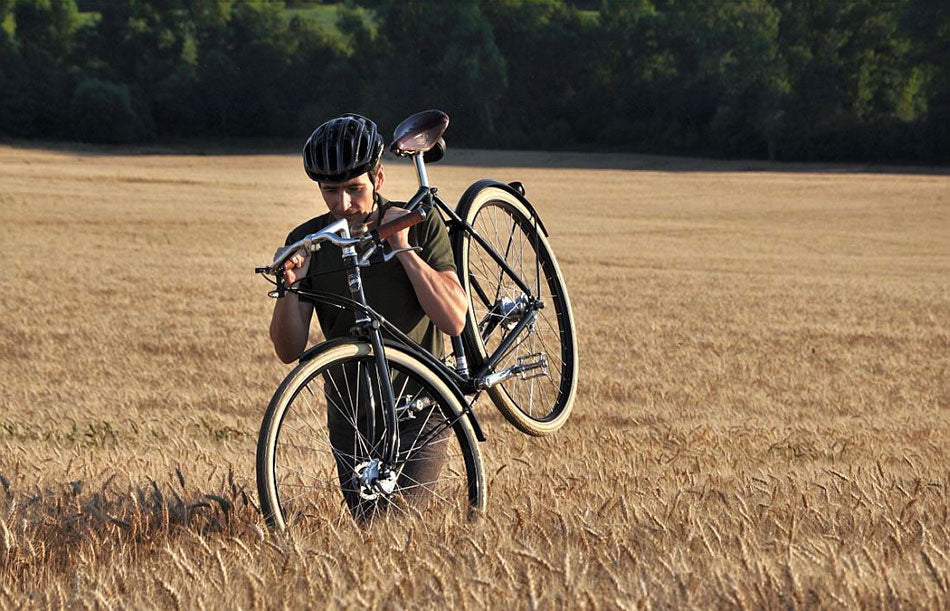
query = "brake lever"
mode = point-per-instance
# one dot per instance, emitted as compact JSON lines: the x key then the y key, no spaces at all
{"x":367,"y":259}
{"x":389,"y":255}
{"x":364,"y":259}
{"x":280,"y":288}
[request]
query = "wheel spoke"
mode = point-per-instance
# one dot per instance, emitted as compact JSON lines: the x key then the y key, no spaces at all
{"x":322,"y":457}
{"x":510,"y":229}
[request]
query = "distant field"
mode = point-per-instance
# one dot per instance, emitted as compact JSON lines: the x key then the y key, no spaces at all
{"x":763,"y":416}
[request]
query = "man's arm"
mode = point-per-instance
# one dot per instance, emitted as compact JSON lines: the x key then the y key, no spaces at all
{"x":439,"y":292}
{"x":290,"y":324}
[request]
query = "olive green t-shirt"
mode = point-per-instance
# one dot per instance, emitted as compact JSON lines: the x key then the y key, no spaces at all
{"x":386,"y":285}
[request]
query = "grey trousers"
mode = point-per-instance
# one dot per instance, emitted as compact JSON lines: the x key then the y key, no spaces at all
{"x":354,"y":406}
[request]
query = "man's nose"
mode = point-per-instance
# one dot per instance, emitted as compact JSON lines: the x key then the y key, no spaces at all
{"x":343,"y":201}
{"x":338,"y":203}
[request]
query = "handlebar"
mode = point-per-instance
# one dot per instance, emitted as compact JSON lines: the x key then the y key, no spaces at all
{"x":403,"y":222}
{"x":338,"y":233}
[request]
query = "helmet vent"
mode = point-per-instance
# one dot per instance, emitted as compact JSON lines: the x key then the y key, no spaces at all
{"x":342,"y":148}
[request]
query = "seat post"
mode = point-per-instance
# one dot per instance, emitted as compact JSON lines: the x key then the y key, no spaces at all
{"x":421,"y":170}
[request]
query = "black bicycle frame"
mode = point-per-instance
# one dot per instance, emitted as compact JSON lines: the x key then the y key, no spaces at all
{"x":370,"y":326}
{"x":373,"y":334}
{"x":428,"y":196}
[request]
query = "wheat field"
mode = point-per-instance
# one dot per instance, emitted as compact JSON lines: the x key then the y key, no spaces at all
{"x":763,"y":416}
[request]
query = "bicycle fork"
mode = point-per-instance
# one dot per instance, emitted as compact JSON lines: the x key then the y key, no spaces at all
{"x":370,"y":329}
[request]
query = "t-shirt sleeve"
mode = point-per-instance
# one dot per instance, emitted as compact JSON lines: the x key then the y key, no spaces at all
{"x":304,"y":229}
{"x":434,"y":239}
{"x":297,"y":233}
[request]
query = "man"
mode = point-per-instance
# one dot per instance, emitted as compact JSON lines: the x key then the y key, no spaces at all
{"x":417,"y":291}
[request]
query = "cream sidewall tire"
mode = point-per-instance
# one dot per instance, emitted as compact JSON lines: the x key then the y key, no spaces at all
{"x":499,"y":396}
{"x":270,"y":427}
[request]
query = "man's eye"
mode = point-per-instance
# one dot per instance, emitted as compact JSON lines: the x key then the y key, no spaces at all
{"x":356,"y":189}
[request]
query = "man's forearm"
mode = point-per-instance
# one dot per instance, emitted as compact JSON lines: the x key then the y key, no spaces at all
{"x":289,"y":328}
{"x":441,"y":297}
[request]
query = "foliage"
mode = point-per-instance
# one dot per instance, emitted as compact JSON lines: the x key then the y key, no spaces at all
{"x":444,"y":59}
{"x":777,"y":79}
{"x":101,"y":111}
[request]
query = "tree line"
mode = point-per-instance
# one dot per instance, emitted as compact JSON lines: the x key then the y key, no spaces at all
{"x":777,"y":79}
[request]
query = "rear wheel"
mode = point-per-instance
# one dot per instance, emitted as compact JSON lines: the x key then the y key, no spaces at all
{"x":538,"y":398}
{"x":320,"y":444}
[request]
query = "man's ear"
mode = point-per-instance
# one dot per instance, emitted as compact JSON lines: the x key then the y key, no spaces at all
{"x":380,"y":177}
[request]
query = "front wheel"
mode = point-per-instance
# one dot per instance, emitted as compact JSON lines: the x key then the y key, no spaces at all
{"x":320,"y":444}
{"x":541,"y":364}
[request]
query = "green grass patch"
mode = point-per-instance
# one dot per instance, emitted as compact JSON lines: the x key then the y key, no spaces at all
{"x":324,"y":15}
{"x":327,"y":16}
{"x":89,"y":18}
{"x":589,"y":17}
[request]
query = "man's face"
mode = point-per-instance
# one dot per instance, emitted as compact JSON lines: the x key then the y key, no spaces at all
{"x":351,"y":199}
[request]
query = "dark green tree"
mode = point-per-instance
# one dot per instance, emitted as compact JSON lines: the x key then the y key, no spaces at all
{"x":789,"y":79}
{"x":37,"y":73}
{"x":927,"y":24}
{"x":243,"y":70}
{"x":640,"y":79}
{"x":46,"y":25}
{"x":102,"y":112}
{"x":141,"y":44}
{"x":444,"y":58}
{"x":320,"y":63}
{"x":554,"y":73}
{"x":752,"y":74}
{"x":853,"y":94}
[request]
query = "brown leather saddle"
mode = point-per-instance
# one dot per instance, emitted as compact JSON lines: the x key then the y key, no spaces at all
{"x":421,"y":133}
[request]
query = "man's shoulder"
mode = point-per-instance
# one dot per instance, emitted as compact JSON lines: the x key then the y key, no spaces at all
{"x":433,"y":222}
{"x":385,"y":203}
{"x":304,"y":229}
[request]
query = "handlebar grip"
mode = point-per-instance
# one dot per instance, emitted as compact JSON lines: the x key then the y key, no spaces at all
{"x":407,"y":220}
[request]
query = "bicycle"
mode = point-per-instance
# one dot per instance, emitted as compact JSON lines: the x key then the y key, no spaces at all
{"x":400,"y":408}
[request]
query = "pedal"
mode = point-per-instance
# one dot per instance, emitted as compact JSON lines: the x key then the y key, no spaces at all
{"x":526,"y":367}
{"x":532,"y":366}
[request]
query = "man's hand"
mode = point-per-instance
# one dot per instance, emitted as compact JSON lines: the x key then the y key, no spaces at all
{"x":291,"y":321}
{"x":296,"y":266}
{"x":400,"y":239}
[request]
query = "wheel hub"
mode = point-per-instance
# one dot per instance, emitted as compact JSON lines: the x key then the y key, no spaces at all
{"x":375,"y":480}
{"x":511,"y":310}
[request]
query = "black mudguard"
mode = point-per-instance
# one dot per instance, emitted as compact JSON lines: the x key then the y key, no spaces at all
{"x":516,"y":189}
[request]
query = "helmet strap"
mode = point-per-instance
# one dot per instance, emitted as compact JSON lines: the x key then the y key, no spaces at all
{"x":364,"y":226}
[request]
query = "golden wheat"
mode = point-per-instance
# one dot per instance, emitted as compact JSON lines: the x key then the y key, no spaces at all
{"x":762,"y":417}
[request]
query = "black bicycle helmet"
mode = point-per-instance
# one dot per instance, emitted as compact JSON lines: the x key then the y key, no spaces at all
{"x":342,"y":148}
